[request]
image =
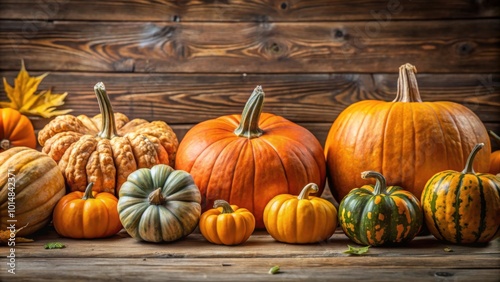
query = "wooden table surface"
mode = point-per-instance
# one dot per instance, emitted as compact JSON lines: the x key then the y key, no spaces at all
{"x":122,"y":258}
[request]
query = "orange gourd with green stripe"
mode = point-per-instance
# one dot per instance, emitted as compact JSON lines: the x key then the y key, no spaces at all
{"x":495,"y":156}
{"x":380,"y":215}
{"x":463,"y":207}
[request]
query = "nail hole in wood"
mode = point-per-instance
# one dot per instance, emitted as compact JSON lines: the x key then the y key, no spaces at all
{"x":284,"y":6}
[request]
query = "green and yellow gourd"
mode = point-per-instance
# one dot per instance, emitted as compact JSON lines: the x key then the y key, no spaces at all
{"x":380,"y":215}
{"x":463,"y":207}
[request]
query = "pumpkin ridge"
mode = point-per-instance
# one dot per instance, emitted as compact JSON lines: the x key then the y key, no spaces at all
{"x":482,"y":218}
{"x":225,"y":148}
{"x":434,"y":197}
{"x":241,"y":150}
{"x":457,"y":215}
{"x":382,"y":143}
{"x":310,"y":153}
{"x":365,"y":119}
{"x":265,"y":141}
{"x":441,"y":130}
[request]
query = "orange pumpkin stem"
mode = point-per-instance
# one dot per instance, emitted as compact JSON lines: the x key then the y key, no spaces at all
{"x":380,"y":184}
{"x":88,"y":192}
{"x":308,"y":189}
{"x":226,"y":207}
{"x":108,"y":125}
{"x":468,"y":165}
{"x":407,"y":85}
{"x":156,"y":198}
{"x":494,"y":136}
{"x":5,"y":144}
{"x":249,"y":124}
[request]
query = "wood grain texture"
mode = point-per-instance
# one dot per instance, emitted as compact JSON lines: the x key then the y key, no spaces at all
{"x":241,"y":10}
{"x":206,"y":47}
{"x":193,"y":258}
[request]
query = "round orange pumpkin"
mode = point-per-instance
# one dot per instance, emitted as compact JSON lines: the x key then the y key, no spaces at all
{"x":406,"y":140}
{"x":227,"y":224}
{"x":495,"y":156}
{"x":87,"y":215}
{"x":15,"y":130}
{"x":250,"y":158}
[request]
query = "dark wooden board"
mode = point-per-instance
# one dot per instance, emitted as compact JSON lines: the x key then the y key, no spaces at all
{"x":241,"y":10}
{"x":207,"y":47}
{"x":302,"y":98}
{"x":193,"y":258}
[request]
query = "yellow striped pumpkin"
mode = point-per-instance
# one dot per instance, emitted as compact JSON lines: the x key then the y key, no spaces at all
{"x":463,"y":207}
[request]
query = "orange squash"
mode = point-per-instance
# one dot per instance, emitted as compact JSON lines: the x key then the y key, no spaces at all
{"x":250,"y":158}
{"x":227,"y":224}
{"x":495,"y":156}
{"x":87,"y":215}
{"x":406,"y":140}
{"x":15,"y":130}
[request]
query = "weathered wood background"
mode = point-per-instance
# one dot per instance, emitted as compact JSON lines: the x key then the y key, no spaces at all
{"x":188,"y":61}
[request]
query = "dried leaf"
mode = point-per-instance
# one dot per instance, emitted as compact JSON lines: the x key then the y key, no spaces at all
{"x":23,"y":96}
{"x":5,"y":236}
{"x":275,"y":269}
{"x":356,"y":251}
{"x":448,"y":249}
{"x":54,"y":245}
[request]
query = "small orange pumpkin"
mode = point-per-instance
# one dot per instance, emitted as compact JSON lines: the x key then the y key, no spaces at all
{"x":15,"y":130}
{"x":227,"y":224}
{"x":87,"y":215}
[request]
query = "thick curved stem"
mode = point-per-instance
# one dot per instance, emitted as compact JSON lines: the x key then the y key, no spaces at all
{"x":380,"y":184}
{"x":470,"y":160}
{"x":156,"y":198}
{"x":407,"y":85}
{"x":88,"y":192}
{"x":308,"y":189}
{"x":226,"y":207}
{"x":249,"y":124}
{"x":108,"y":126}
{"x":5,"y":144}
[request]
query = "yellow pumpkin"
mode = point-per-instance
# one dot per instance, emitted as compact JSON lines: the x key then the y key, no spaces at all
{"x":300,"y":219}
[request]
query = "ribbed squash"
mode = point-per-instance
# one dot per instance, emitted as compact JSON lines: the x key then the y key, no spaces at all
{"x":380,"y":215}
{"x":406,"y":140}
{"x":105,"y":149}
{"x":495,"y":156}
{"x":159,"y":204}
{"x":300,"y":219}
{"x":227,"y":224}
{"x":16,"y":130}
{"x":463,"y":207}
{"x":39,"y":184}
{"x":248,"y":159}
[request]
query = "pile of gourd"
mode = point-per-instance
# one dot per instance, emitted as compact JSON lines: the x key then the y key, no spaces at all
{"x":236,"y":173}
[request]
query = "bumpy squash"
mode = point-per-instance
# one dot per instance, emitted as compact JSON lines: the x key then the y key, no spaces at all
{"x":107,"y":148}
{"x":495,"y":156}
{"x":16,"y":130}
{"x":227,"y":224}
{"x":159,"y":204}
{"x":250,"y":158}
{"x":87,"y":215}
{"x":463,"y":207}
{"x":380,"y":215}
{"x":38,"y":183}
{"x":300,"y":219}
{"x":406,"y":140}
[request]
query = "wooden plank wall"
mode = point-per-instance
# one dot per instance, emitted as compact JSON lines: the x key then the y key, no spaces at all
{"x":188,"y":61}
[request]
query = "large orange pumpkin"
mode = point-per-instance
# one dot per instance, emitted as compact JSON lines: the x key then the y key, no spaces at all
{"x":406,"y":140}
{"x":15,"y":130}
{"x":250,"y":158}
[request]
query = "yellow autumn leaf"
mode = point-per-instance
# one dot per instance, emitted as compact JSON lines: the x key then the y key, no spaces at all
{"x":23,"y":96}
